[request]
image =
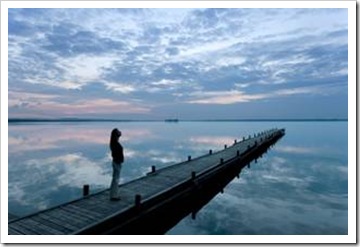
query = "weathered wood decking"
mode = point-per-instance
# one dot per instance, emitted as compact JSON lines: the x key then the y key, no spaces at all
{"x":154,"y":203}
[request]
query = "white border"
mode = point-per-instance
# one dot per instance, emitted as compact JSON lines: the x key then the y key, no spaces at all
{"x":352,"y":115}
{"x":178,"y":4}
{"x":350,"y":238}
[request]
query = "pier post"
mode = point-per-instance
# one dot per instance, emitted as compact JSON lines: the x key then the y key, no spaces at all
{"x":137,"y":200}
{"x":235,"y":141}
{"x":193,"y":175}
{"x":193,"y":215}
{"x":221,"y":161}
{"x":189,"y":157}
{"x":86,"y":189}
{"x":210,"y":151}
{"x":237,"y":153}
{"x":153,"y":169}
{"x":225,"y":146}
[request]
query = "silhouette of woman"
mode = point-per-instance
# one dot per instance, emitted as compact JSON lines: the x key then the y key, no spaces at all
{"x":118,"y":158}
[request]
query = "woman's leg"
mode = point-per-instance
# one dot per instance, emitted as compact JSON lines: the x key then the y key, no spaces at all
{"x":114,"y":187}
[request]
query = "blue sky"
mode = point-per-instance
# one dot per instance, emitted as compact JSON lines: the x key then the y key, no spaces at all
{"x":178,"y":63}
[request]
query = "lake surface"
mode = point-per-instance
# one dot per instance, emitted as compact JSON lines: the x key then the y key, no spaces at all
{"x":299,"y":187}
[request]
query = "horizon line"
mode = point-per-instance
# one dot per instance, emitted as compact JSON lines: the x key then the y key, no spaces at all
{"x":72,"y":119}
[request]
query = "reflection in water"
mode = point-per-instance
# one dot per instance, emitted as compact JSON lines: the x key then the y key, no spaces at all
{"x":299,"y":187}
{"x":298,"y":150}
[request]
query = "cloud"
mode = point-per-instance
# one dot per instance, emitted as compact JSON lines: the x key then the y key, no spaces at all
{"x":97,"y":106}
{"x":153,"y":54}
{"x":119,"y":87}
{"x":54,"y":105}
{"x":237,"y":96}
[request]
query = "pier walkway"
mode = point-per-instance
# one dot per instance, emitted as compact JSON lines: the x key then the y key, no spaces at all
{"x":154,"y":203}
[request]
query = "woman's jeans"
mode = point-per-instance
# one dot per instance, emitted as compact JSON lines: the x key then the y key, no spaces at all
{"x":114,"y":187}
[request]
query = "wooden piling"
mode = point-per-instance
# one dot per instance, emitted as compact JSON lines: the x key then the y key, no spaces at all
{"x":137,"y":200}
{"x":193,"y":215}
{"x":86,"y":190}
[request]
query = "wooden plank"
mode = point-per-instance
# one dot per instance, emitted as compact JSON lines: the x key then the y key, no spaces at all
{"x":81,"y":213}
{"x":44,"y":229}
{"x":101,"y":208}
{"x":78,"y":218}
{"x":61,"y":216}
{"x":14,"y":231}
{"x":62,"y":225}
{"x":20,"y":226}
{"x":50,"y":224}
{"x":35,"y":228}
{"x":85,"y":211}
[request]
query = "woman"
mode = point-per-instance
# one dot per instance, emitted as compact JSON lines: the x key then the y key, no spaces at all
{"x":118,"y":158}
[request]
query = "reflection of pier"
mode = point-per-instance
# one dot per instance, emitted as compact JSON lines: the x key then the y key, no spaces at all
{"x":152,"y":204}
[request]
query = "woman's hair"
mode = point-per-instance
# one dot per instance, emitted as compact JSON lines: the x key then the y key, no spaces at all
{"x":115,"y":133}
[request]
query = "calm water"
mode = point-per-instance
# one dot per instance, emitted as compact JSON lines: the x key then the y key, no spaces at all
{"x":299,"y":187}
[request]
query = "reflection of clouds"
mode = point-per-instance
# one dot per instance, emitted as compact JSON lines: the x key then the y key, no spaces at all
{"x":42,"y":137}
{"x":17,"y":193}
{"x":71,"y":169}
{"x":21,"y":144}
{"x":212,"y":141}
{"x":162,"y":156}
{"x":38,"y":181}
{"x":291,"y":216}
{"x":254,"y":214}
{"x":169,"y":159}
{"x":135,"y":134}
{"x":128,"y":153}
{"x":343,"y":169}
{"x":277,"y":195}
{"x":303,"y":182}
{"x":296,"y":149}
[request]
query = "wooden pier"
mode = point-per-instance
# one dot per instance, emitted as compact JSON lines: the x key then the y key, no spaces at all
{"x":152,"y":204}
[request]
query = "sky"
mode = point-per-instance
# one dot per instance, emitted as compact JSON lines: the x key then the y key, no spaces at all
{"x":178,"y":63}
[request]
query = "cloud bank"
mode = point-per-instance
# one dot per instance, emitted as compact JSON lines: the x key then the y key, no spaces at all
{"x":98,"y":62}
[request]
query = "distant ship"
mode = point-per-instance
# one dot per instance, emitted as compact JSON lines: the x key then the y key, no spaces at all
{"x":172,"y":120}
